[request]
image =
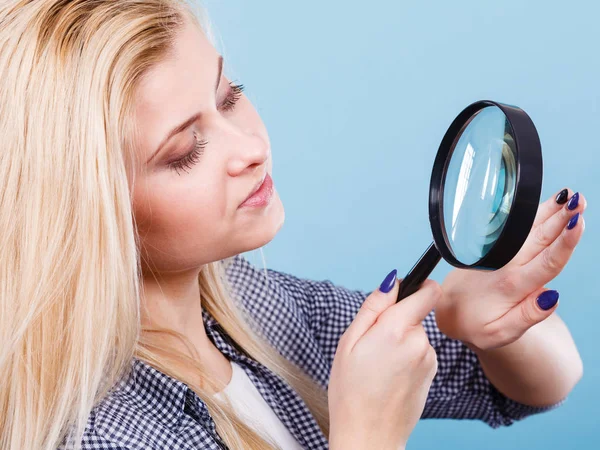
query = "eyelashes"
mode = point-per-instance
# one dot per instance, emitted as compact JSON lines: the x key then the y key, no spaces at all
{"x":233,"y":97}
{"x":193,"y":156}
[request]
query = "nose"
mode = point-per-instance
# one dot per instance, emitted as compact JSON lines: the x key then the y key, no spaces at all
{"x":249,"y":150}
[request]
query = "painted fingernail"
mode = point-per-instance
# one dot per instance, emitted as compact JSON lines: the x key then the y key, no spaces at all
{"x":388,"y":282}
{"x":562,"y":196}
{"x":573,"y":222}
{"x":573,"y":202}
{"x":547,"y":299}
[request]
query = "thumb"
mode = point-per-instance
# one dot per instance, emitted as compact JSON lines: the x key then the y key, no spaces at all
{"x":377,"y":302}
{"x":532,"y":310}
{"x":412,"y":310}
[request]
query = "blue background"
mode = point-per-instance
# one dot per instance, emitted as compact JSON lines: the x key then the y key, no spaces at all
{"x":356,"y":97}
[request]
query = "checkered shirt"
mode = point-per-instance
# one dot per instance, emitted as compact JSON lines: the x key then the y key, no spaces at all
{"x":304,"y":320}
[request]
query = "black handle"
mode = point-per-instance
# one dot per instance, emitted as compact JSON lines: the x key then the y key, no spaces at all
{"x":419,"y":273}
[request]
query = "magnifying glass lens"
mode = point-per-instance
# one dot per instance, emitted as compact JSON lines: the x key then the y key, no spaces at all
{"x":479,"y":185}
{"x":484,"y":191}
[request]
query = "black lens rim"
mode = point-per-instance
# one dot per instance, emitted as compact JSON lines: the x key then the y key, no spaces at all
{"x":528,"y":187}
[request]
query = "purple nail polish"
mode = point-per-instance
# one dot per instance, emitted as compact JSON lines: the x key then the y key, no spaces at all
{"x":547,"y":299}
{"x":573,"y":222}
{"x":389,"y":282}
{"x":573,"y":202}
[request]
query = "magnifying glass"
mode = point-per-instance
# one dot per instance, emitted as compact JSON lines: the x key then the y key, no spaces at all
{"x":484,"y":192}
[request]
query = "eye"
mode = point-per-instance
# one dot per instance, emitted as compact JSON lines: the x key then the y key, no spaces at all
{"x":191,"y":157}
{"x":235,"y":93}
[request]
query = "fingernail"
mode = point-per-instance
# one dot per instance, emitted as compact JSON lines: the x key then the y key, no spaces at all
{"x":547,"y":299}
{"x":388,"y":282}
{"x":573,"y":222}
{"x":562,"y":196}
{"x":573,"y":202}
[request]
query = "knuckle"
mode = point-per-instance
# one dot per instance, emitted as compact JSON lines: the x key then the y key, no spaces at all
{"x":541,"y":235}
{"x":496,"y":335}
{"x":527,"y":315}
{"x":500,"y":335}
{"x":419,"y":344}
{"x":550,"y":261}
{"x":433,"y":289}
{"x":371,"y":305}
{"x":393,"y":333}
{"x":565,"y":213}
{"x":436,"y":289}
{"x":492,"y":333}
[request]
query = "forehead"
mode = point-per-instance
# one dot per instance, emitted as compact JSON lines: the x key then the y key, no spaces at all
{"x":176,"y":88}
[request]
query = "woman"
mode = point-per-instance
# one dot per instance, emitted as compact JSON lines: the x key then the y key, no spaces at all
{"x":134,"y":174}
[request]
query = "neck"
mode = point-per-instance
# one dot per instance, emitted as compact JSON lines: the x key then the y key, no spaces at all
{"x":174,"y":302}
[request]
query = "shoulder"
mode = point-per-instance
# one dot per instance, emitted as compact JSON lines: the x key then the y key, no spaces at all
{"x":264,"y":293}
{"x":116,"y":424}
{"x":99,"y":428}
{"x":142,"y":411}
{"x":314,"y":300}
{"x":302,"y":318}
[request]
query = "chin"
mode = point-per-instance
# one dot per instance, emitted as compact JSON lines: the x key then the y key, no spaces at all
{"x":265,"y":227}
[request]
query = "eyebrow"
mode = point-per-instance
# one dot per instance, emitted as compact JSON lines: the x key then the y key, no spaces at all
{"x":179,"y":128}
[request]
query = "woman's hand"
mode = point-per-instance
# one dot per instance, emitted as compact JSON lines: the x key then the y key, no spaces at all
{"x":487,"y":310}
{"x":382,"y":370}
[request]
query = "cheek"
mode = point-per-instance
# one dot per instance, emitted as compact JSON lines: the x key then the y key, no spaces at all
{"x":182,"y":218}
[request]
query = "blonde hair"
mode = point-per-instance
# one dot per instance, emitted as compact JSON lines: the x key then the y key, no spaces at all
{"x":70,"y":268}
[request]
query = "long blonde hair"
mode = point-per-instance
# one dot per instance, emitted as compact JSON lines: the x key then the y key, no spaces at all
{"x":70,"y":269}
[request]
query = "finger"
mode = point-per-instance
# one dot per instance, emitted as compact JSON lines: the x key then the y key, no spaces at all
{"x":550,"y":206}
{"x":412,"y":310}
{"x":546,"y":232}
{"x":377,"y":302}
{"x":550,"y":261}
{"x":532,"y":310}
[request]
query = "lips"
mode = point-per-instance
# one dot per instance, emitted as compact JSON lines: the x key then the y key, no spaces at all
{"x":262,"y":197}
{"x":256,"y":187}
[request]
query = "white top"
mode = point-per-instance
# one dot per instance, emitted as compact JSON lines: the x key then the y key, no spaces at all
{"x":249,"y":405}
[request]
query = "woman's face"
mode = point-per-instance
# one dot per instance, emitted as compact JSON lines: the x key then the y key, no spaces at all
{"x":187,"y":204}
